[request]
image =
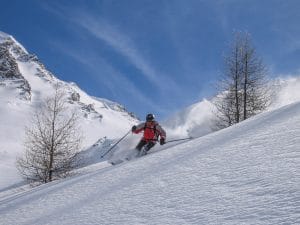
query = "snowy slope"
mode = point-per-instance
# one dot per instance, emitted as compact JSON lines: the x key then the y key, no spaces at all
{"x":246,"y":174}
{"x":24,"y":84}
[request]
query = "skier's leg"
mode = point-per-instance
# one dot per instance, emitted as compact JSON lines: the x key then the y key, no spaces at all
{"x":149,"y":145}
{"x":140,"y":145}
{"x":146,"y":148}
{"x":137,"y":150}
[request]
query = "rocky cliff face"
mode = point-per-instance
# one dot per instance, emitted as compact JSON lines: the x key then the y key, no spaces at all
{"x":10,"y":75}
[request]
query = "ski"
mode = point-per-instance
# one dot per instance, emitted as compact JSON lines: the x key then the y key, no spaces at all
{"x":132,"y":155}
{"x":119,"y":161}
{"x":138,"y":154}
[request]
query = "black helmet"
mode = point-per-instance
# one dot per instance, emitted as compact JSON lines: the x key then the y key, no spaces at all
{"x":150,"y":117}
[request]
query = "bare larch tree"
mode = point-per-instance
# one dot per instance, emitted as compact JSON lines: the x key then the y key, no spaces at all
{"x":243,"y":85}
{"x":52,"y":142}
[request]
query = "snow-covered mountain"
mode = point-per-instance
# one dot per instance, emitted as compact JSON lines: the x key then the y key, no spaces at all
{"x":24,"y":84}
{"x":198,"y":119}
{"x":245,"y":174}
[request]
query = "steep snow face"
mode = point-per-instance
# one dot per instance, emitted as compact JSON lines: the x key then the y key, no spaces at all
{"x":24,"y":84}
{"x":246,"y":174}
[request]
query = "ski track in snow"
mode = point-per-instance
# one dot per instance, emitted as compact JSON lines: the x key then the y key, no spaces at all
{"x":246,"y":174}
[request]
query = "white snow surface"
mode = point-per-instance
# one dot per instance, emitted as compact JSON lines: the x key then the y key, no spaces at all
{"x":246,"y":174}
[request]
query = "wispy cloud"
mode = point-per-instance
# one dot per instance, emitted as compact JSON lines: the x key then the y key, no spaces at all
{"x":119,"y":42}
{"x":122,"y":43}
{"x":114,"y":80}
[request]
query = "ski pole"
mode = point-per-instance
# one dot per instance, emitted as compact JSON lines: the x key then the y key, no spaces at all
{"x":115,"y":144}
{"x":179,"y":139}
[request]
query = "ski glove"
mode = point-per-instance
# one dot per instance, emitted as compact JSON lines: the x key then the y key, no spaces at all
{"x":133,"y":128}
{"x":162,"y":141}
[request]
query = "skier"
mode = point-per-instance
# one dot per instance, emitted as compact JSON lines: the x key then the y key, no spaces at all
{"x":151,"y":130}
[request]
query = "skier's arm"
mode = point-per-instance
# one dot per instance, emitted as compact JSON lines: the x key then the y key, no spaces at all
{"x":138,"y":128}
{"x":161,"y":132}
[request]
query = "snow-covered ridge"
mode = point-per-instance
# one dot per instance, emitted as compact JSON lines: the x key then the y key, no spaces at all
{"x":17,"y":53}
{"x":9,"y":38}
{"x":24,"y":83}
{"x":21,"y":58}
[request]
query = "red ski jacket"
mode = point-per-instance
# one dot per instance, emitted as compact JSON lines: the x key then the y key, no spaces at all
{"x":151,"y":131}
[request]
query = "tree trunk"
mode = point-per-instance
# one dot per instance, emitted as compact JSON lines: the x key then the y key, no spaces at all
{"x":237,"y":103}
{"x":245,"y":85}
{"x":52,"y":138}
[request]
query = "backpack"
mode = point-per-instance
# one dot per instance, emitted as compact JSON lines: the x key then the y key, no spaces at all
{"x":150,"y":131}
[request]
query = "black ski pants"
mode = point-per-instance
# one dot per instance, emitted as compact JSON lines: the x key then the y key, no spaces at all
{"x":142,"y":143}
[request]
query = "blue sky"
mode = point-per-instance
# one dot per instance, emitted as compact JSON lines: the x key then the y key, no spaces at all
{"x":151,"y":55}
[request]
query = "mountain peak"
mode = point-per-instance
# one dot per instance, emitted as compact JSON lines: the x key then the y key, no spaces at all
{"x":10,"y":40}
